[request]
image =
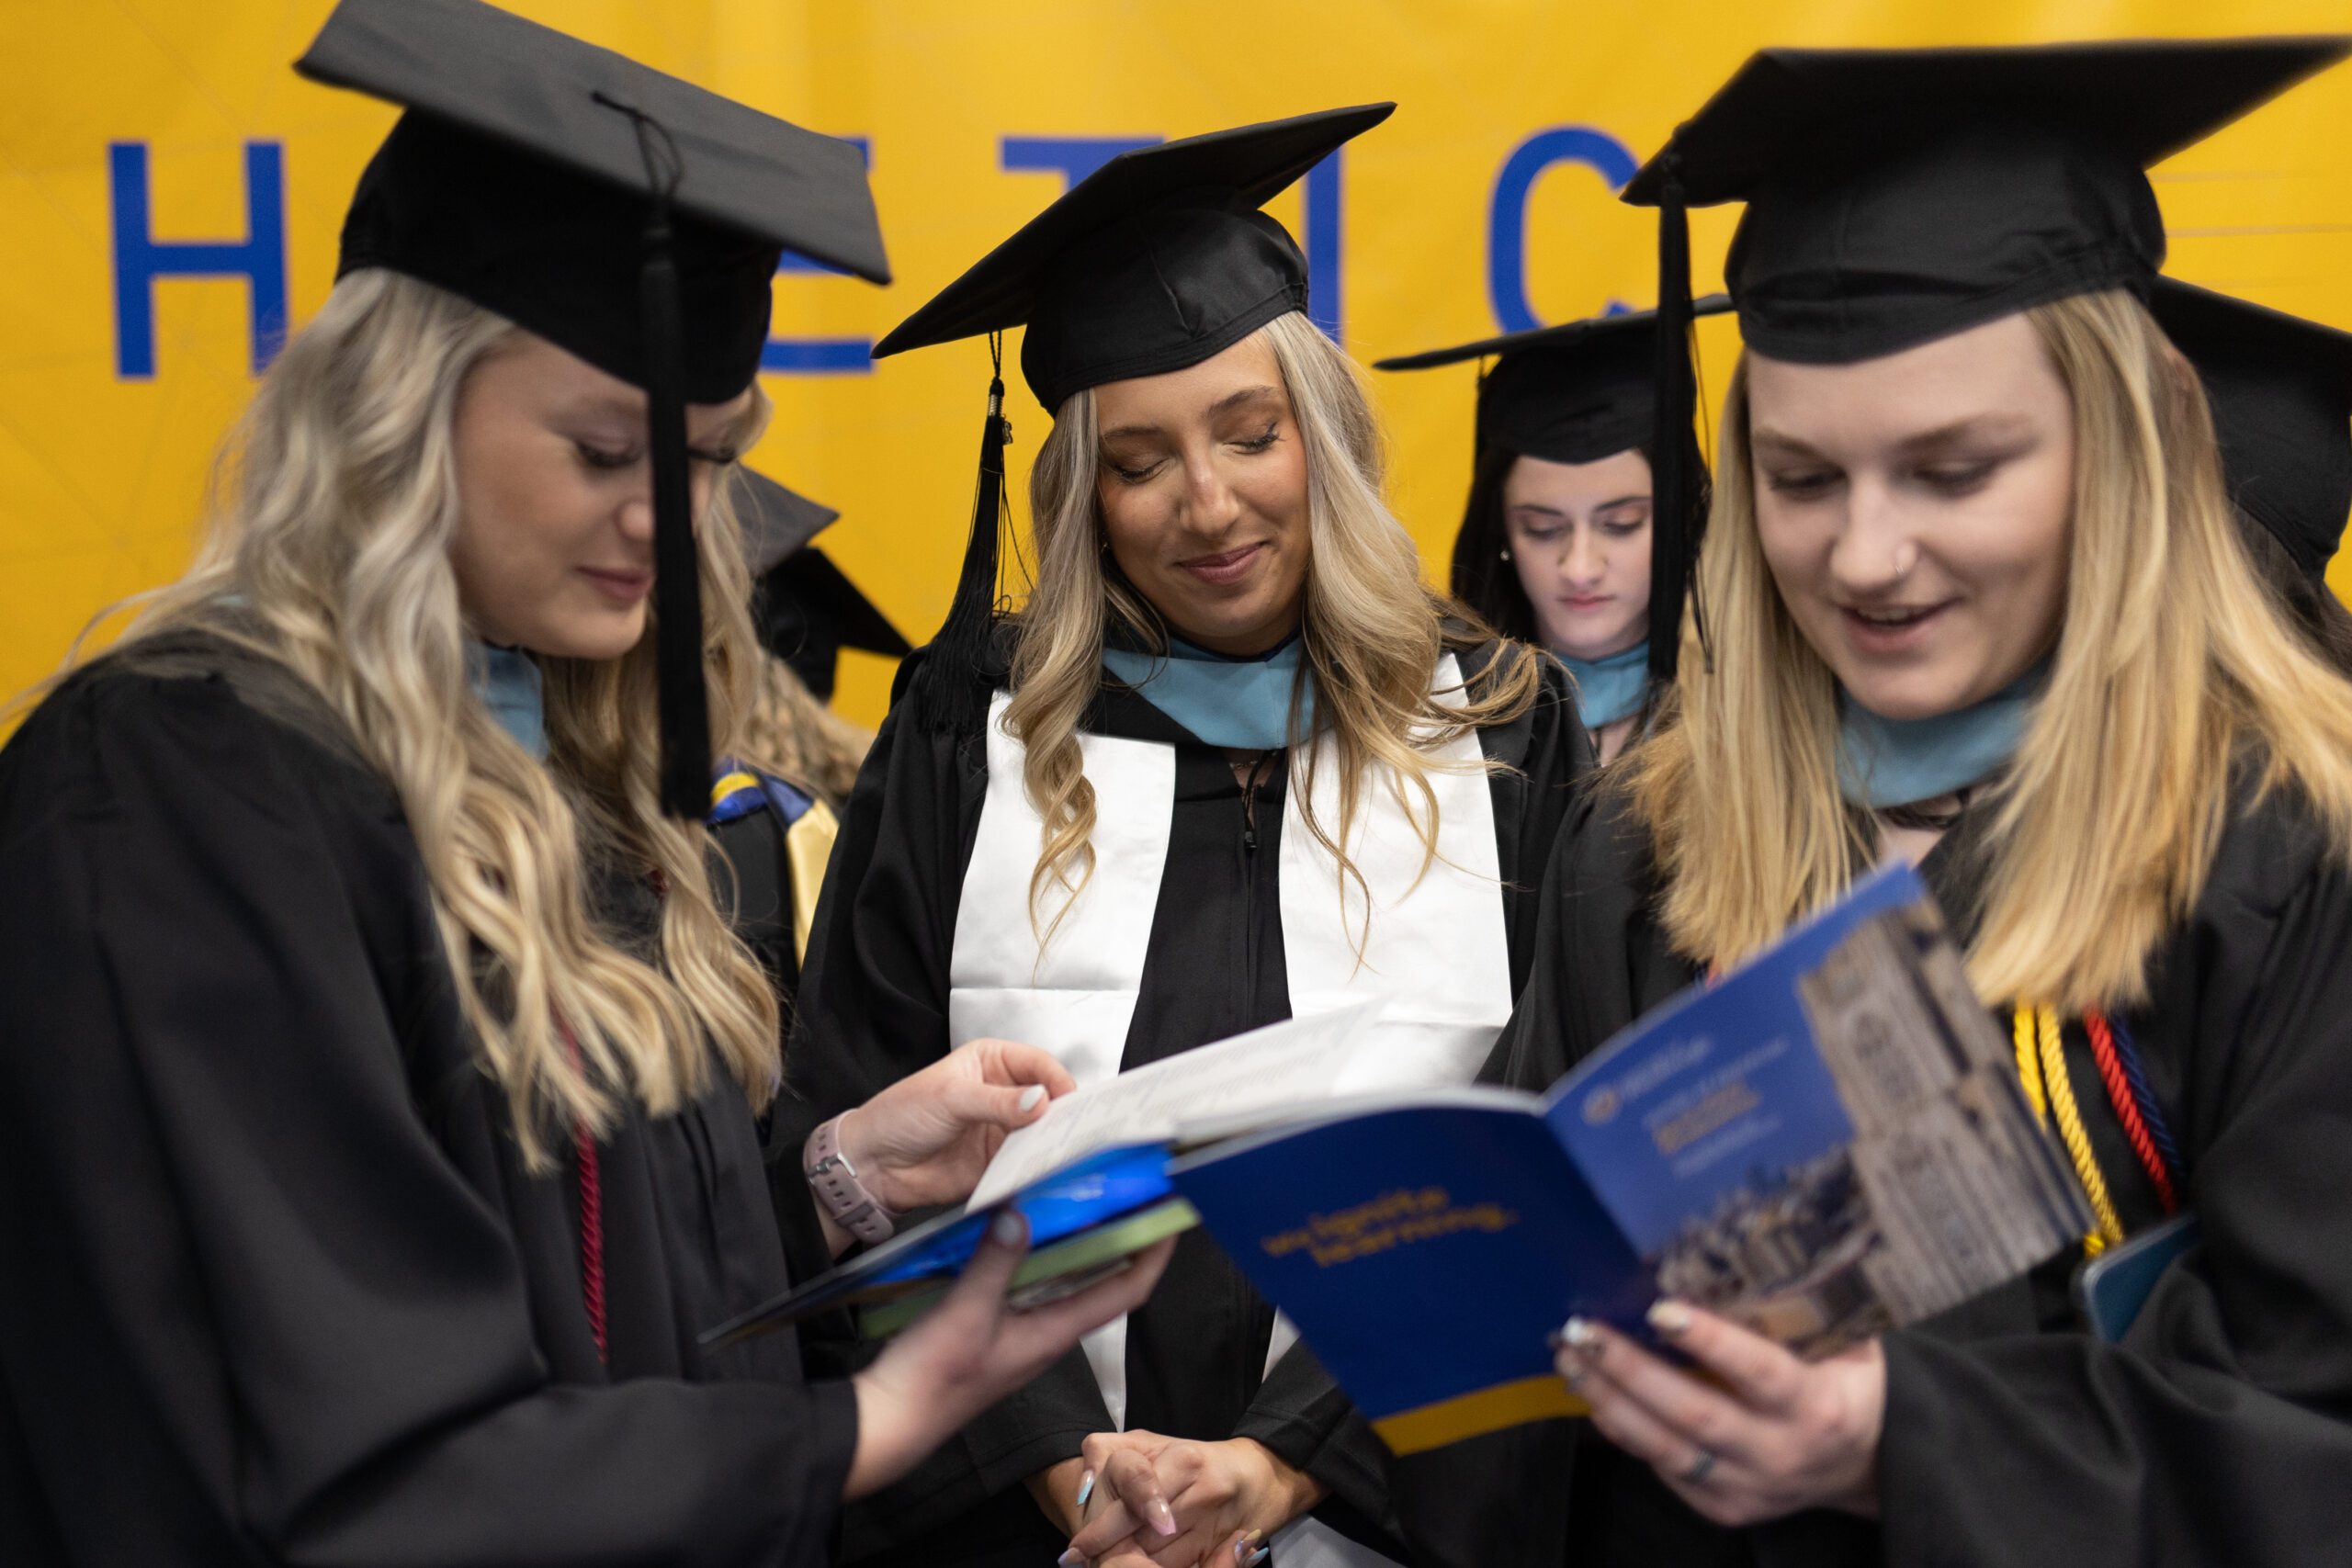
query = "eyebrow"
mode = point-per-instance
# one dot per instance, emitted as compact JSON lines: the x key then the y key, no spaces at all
{"x":1226,"y":404}
{"x":1995,"y":424}
{"x":1538,"y":507}
{"x":715,"y":447}
{"x":607,"y":406}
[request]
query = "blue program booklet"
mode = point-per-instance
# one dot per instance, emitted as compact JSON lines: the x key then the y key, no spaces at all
{"x":1090,"y":1175}
{"x":1827,"y":1141}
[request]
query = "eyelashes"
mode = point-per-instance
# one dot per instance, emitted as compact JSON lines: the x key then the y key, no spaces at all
{"x":612,"y":460}
{"x":1948,"y":483}
{"x":604,"y":458}
{"x":1264,"y":442}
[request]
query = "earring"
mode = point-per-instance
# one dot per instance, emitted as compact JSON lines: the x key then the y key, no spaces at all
{"x":1504,"y":552}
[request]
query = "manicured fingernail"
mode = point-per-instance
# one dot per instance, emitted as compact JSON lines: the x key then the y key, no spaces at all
{"x":1578,"y":1334}
{"x":1162,"y":1517}
{"x":1670,"y":1317}
{"x":1241,"y":1547}
{"x":1085,"y":1488}
{"x":1070,"y":1558}
{"x":1009,"y":1228}
{"x":1032,"y":1096}
{"x":1257,"y":1557}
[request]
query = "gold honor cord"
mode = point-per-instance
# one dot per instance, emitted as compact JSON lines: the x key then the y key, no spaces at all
{"x":2051,"y":1093}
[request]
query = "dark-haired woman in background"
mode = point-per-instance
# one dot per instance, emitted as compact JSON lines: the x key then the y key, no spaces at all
{"x":1555,"y":546}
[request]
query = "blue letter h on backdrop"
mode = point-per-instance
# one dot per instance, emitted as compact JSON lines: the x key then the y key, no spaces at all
{"x":139,"y":258}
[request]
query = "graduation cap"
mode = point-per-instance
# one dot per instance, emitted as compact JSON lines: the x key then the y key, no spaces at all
{"x":627,"y":217}
{"x":807,"y":608}
{"x":1156,"y":261}
{"x":1896,"y":195}
{"x":2280,"y":390}
{"x":1574,"y":393}
{"x":1577,"y":393}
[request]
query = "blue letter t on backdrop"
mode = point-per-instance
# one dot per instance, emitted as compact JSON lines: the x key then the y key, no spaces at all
{"x":139,"y":258}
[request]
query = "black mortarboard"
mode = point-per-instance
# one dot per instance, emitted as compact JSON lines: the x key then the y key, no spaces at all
{"x":1577,"y":393}
{"x":2280,"y":388}
{"x":1896,"y":195}
{"x":1572,"y":393}
{"x":1155,"y":262}
{"x":777,"y":520}
{"x":627,"y":217}
{"x":807,"y":608}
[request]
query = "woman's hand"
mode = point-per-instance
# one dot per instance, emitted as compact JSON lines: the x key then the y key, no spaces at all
{"x":926,"y":1138}
{"x":970,"y":1352}
{"x":1174,"y":1504}
{"x":1778,"y":1436}
{"x":1061,"y":1491}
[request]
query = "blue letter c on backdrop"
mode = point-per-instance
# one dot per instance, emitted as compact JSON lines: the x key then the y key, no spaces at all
{"x":1507,"y":220}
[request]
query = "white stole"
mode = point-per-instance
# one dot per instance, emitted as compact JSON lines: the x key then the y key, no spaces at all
{"x":1435,"y":948}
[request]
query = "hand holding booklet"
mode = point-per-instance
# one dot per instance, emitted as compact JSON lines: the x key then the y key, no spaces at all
{"x":1090,"y":1176}
{"x":1827,"y":1141}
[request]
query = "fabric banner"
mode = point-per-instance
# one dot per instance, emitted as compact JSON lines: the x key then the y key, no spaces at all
{"x":171,"y":193}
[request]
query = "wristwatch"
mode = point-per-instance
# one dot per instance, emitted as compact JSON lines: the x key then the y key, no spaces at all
{"x":835,"y":1183}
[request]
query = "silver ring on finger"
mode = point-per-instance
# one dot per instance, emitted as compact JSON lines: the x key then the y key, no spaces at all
{"x":1696,"y":1473}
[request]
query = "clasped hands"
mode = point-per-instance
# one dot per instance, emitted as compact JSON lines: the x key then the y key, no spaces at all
{"x":1753,"y":1433}
{"x":1137,"y":1499}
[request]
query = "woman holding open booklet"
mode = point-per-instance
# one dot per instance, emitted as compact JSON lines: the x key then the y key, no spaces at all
{"x":1972,"y":596}
{"x":380,"y":1080}
{"x":1232,"y":762}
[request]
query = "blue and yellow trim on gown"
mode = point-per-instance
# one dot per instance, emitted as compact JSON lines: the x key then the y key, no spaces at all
{"x":806,"y":824}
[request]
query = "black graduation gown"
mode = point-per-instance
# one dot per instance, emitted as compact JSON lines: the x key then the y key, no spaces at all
{"x":2219,"y":1432}
{"x":277,"y":1286}
{"x":757,"y":889}
{"x":874,"y":1008}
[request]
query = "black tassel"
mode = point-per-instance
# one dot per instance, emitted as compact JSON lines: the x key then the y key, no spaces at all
{"x":951,"y":695}
{"x":678,"y":577}
{"x":686,"y":776}
{"x":1678,"y":484}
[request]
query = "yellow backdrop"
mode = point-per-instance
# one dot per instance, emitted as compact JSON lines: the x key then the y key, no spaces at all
{"x":170,"y":195}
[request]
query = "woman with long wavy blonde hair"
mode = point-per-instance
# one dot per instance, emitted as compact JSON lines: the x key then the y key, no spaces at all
{"x":379,"y":1074}
{"x":1230,"y":763}
{"x":1974,"y":597}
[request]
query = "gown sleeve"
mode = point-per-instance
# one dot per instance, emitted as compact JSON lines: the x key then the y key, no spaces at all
{"x":2219,"y":1430}
{"x":251,"y":1300}
{"x":873,"y":1009}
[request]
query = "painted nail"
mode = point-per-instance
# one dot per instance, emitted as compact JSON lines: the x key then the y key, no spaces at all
{"x":1162,"y":1517}
{"x":1070,"y":1558}
{"x":1241,"y":1547}
{"x":1085,"y":1488}
{"x":1578,"y":1334}
{"x":1257,"y":1557}
{"x":1009,"y":1228}
{"x":1670,"y":1317}
{"x":1032,"y":1096}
